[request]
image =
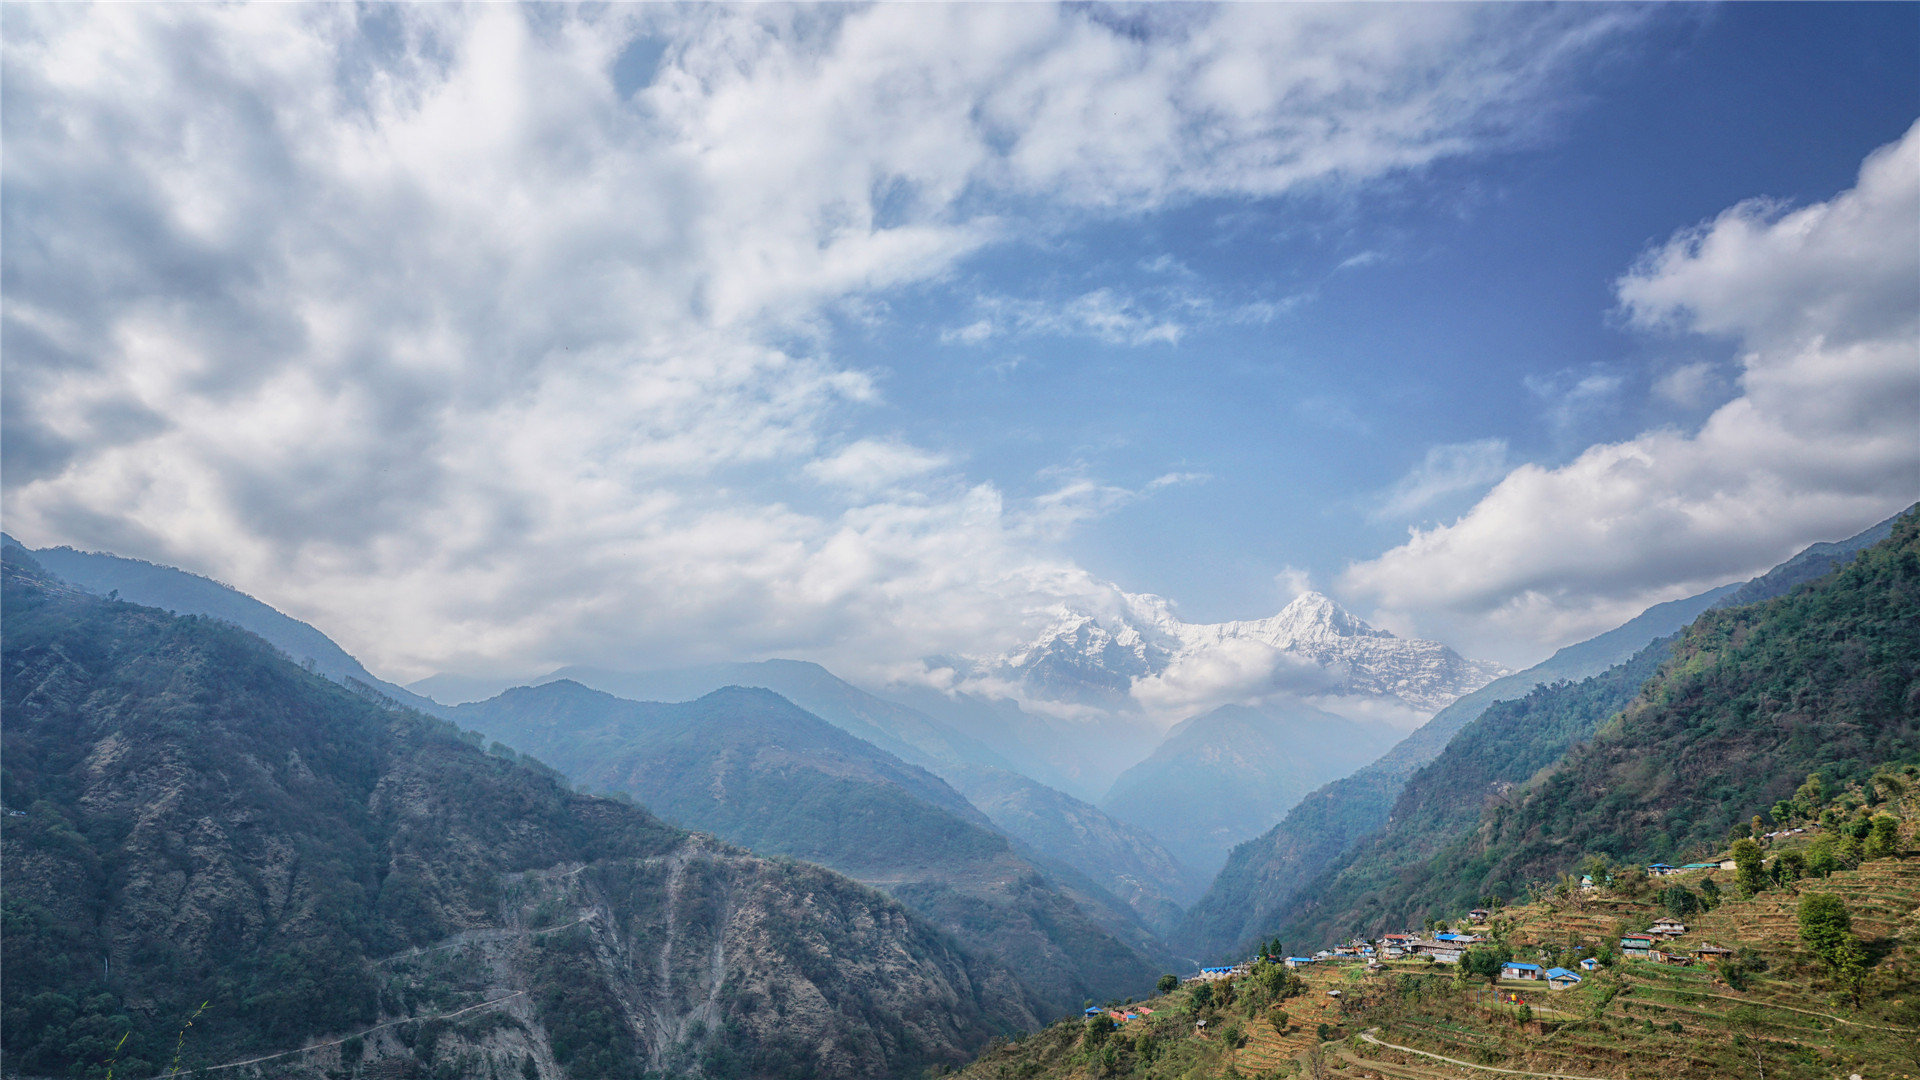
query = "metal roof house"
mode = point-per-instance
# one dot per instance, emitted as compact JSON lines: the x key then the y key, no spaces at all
{"x":1560,"y":978}
{"x":1514,"y":969}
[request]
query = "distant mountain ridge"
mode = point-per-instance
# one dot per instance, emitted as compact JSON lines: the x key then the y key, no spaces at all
{"x":1228,"y":774}
{"x":753,"y":768}
{"x":171,"y":589}
{"x":1121,"y":858}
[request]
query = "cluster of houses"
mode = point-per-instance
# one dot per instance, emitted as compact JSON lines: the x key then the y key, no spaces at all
{"x":1660,"y":869}
{"x":1450,"y":947}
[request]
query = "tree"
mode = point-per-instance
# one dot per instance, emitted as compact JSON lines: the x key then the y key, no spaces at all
{"x":1680,"y":901}
{"x":1482,"y":960}
{"x":1167,"y":984}
{"x":1812,"y":794}
{"x":1098,"y":1028}
{"x":1280,"y":1020}
{"x":1750,"y":1027}
{"x":1884,"y":837}
{"x":1202,"y":995}
{"x":1748,"y":872}
{"x":1827,"y":929}
{"x":1710,"y":894}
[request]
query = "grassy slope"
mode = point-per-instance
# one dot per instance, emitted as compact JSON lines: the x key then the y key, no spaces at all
{"x":1750,"y":700}
{"x":1617,"y":1025}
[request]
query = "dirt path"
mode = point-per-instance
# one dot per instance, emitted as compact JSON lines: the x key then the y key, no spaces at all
{"x":341,"y":1039}
{"x":1790,"y":1008}
{"x":1470,"y":1065}
{"x":1390,"y":1069}
{"x":472,"y":937}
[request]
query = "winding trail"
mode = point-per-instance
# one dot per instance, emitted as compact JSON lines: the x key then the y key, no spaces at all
{"x":336,"y":1042}
{"x":472,"y":937}
{"x":1367,"y":1035}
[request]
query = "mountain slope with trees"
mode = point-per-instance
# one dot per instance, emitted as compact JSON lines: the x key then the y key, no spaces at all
{"x":1258,"y":888}
{"x":192,"y":818}
{"x":1073,"y":836}
{"x":753,"y":768}
{"x":1747,"y":702}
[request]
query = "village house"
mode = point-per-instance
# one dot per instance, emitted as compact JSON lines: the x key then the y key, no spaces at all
{"x":1515,"y":969}
{"x":1637,"y":944}
{"x":1560,"y":978}
{"x":1589,"y":964}
{"x":1668,"y":928}
{"x":1478,"y":915}
{"x":1299,"y":961}
{"x":1710,"y":951}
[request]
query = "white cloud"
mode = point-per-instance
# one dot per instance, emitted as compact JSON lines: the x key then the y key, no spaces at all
{"x":1824,"y":305}
{"x":1293,"y":581}
{"x":873,"y":464}
{"x":1446,"y":470}
{"x":1690,"y":386}
{"x":409,"y":321}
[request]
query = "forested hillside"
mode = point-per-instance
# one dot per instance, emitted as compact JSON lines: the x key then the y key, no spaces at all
{"x":1748,"y":702}
{"x":199,"y":829}
{"x":752,"y":768}
{"x":1122,"y":859}
{"x":1257,"y":890}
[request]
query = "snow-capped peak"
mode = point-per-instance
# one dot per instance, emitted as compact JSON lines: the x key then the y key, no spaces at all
{"x":1085,"y":655}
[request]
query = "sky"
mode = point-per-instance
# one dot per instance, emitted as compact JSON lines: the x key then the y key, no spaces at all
{"x":490,"y":339}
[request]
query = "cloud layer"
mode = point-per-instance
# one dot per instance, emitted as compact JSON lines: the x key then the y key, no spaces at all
{"x":425,"y":325}
{"x":1822,"y":438}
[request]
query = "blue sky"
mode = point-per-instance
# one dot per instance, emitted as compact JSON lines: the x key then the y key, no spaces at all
{"x":496,"y":339}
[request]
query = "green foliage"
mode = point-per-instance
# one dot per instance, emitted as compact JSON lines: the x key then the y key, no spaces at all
{"x":1097,"y":1030}
{"x":1884,"y":836}
{"x":583,"y":1018}
{"x":1167,"y":984}
{"x":1827,"y":928}
{"x":1679,"y":901}
{"x":1201,"y":996}
{"x":1748,"y":872}
{"x":1752,"y":700}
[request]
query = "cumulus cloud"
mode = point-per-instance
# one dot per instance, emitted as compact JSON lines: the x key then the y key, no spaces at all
{"x":1690,"y":386}
{"x":1823,"y":304}
{"x":1235,"y":671}
{"x":450,"y":330}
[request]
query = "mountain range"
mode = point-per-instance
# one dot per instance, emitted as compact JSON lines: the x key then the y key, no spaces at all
{"x":212,"y":854}
{"x":1140,"y":650}
{"x":751,"y":767}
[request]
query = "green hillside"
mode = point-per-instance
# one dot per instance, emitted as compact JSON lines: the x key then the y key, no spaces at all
{"x":1751,"y":699}
{"x":1774,"y":1006}
{"x":1372,"y":820}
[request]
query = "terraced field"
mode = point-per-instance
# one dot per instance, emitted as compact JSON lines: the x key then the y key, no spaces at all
{"x":1635,"y":1018}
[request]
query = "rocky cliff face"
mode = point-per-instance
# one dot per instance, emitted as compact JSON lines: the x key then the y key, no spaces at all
{"x":342,"y":888}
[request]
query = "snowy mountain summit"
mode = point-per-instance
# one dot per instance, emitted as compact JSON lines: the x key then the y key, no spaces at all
{"x":1138,"y":651}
